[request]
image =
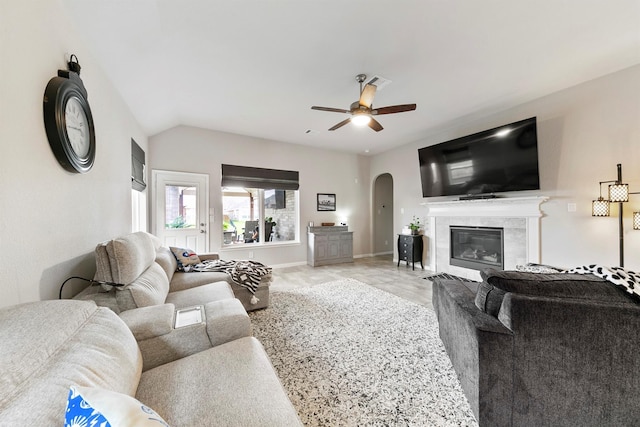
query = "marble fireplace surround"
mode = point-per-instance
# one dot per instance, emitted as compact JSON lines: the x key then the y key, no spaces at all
{"x":519,"y":216}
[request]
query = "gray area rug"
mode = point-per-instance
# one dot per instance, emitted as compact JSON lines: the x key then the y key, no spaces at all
{"x":352,"y":355}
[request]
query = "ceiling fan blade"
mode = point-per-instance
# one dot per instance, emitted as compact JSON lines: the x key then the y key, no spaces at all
{"x":375,"y":125}
{"x":333,"y":110}
{"x":342,"y":123}
{"x":393,"y":109}
{"x":366,"y":97}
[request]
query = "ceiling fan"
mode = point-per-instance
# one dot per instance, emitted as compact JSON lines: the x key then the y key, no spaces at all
{"x":362,"y":111}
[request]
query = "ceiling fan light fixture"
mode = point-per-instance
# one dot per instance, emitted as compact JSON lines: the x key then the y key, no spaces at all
{"x":360,"y":119}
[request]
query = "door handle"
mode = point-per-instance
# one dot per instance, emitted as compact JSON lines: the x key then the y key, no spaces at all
{"x":202,"y":231}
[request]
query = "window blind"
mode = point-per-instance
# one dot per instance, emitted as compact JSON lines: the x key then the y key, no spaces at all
{"x":248,"y":177}
{"x":137,"y":167}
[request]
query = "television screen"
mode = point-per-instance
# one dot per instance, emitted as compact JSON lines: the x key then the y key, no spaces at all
{"x":493,"y":161}
{"x":275,"y":199}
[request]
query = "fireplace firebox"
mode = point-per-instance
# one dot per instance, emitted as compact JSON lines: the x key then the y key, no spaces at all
{"x":476,"y":247}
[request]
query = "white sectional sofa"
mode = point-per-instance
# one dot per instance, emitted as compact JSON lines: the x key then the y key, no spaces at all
{"x":148,"y":272}
{"x":49,"y":346}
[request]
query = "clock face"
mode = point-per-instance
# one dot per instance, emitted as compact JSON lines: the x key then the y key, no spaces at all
{"x":77,"y":127}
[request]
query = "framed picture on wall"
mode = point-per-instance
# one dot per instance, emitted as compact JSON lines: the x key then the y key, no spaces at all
{"x":326,"y":202}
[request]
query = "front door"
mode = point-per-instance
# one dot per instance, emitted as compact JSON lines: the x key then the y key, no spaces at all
{"x":180,"y":203}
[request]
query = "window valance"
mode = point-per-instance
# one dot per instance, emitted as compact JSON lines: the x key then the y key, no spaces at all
{"x":248,"y":177}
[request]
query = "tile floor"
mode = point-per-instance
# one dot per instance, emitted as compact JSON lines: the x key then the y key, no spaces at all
{"x":379,"y":271}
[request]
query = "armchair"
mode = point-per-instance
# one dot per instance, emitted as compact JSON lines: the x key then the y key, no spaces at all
{"x":542,"y":349}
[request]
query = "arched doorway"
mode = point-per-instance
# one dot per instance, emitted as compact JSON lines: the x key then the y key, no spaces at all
{"x":383,"y":238}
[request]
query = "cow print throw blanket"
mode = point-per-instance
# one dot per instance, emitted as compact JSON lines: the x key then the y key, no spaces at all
{"x":628,"y":280}
{"x":244,"y":273}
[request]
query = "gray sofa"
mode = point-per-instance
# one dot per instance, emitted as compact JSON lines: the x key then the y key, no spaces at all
{"x":148,"y":269}
{"x":543,"y":349}
{"x":48,"y":346}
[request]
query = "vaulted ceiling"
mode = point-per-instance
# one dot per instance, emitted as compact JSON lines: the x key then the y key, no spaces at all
{"x":255,"y":67}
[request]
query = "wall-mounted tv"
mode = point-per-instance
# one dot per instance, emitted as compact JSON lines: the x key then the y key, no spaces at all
{"x":493,"y":161}
{"x":275,"y":199}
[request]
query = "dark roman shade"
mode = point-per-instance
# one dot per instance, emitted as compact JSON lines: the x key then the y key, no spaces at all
{"x":248,"y":177}
{"x":137,"y":167}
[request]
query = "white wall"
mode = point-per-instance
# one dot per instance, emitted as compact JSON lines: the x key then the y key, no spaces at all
{"x":50,"y":219}
{"x":189,"y":149}
{"x":583,"y":132}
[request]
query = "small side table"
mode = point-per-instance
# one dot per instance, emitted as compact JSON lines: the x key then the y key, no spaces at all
{"x":410,"y":249}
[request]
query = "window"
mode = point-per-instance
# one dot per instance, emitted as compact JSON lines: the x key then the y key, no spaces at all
{"x":138,"y":186}
{"x":180,"y":207}
{"x":259,"y":206}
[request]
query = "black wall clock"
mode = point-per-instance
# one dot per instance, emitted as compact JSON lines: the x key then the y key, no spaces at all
{"x":68,"y":120}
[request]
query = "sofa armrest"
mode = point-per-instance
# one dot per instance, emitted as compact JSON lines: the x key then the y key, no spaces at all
{"x":207,"y":257}
{"x":149,"y":322}
{"x":225,"y":320}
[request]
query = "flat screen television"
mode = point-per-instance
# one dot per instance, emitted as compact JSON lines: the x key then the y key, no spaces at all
{"x":493,"y":161}
{"x":275,"y":199}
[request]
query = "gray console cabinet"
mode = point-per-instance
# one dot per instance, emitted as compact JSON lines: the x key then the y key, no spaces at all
{"x":329,"y":245}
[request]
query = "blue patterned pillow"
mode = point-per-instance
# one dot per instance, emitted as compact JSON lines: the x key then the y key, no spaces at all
{"x":185,"y":257}
{"x":89,"y":406}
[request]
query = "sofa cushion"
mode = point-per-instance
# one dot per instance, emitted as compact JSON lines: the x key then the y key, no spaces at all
{"x":182,"y":280}
{"x":200,"y":295}
{"x":564,"y":285}
{"x":130,"y":256}
{"x":88,"y":406}
{"x":167,"y":261}
{"x":150,"y":288}
{"x":230,"y":381}
{"x":489,"y":298}
{"x":103,"y":267}
{"x":49,"y":345}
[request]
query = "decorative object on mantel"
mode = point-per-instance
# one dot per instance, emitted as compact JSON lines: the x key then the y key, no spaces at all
{"x":328,"y":224}
{"x":618,"y":193}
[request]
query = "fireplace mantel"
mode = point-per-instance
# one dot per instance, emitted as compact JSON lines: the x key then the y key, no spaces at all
{"x":512,"y":207}
{"x":486,"y":212}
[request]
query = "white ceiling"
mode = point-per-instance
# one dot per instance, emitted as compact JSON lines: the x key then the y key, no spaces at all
{"x":255,"y":67}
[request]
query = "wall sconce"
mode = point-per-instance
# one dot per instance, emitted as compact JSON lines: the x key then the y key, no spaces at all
{"x":618,"y":193}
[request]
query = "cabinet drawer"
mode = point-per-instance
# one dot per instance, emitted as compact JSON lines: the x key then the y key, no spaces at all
{"x":406,"y":239}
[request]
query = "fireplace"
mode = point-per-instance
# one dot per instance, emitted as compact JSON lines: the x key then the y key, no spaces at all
{"x":476,"y":247}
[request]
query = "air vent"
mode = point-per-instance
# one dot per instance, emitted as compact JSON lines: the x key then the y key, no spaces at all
{"x":379,"y":81}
